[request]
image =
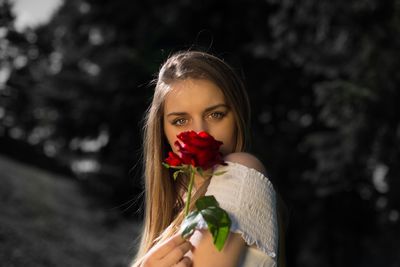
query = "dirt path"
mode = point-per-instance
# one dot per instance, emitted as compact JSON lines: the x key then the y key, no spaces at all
{"x":46,"y":220}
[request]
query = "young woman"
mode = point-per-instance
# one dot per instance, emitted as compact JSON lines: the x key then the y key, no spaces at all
{"x":197,"y":91}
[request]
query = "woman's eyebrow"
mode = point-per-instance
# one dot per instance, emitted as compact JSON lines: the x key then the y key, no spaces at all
{"x":176,"y":114}
{"x":216,"y":106}
{"x":206,"y":110}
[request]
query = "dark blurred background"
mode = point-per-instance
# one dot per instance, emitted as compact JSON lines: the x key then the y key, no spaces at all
{"x":323,"y":78}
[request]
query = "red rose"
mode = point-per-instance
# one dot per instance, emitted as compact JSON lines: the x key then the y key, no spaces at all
{"x":200,"y":152}
{"x":173,"y":159}
{"x":199,"y":149}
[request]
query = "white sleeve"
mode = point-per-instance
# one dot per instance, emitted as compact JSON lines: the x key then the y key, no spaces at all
{"x":250,"y":200}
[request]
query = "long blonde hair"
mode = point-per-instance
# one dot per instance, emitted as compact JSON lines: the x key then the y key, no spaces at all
{"x":163,"y":203}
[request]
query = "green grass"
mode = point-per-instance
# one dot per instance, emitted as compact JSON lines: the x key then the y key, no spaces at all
{"x":46,"y":220}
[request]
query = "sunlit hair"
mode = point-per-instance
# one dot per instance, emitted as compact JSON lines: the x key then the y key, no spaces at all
{"x":164,"y":205}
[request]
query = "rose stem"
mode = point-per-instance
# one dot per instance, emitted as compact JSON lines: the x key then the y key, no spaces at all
{"x":189,"y":191}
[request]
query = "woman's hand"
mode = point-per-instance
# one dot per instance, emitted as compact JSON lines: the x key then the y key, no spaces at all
{"x":169,"y":253}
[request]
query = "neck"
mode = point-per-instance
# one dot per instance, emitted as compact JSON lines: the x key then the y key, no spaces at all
{"x":199,"y":180}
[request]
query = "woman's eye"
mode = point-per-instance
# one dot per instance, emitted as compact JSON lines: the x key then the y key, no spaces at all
{"x":179,"y":122}
{"x":217,"y":115}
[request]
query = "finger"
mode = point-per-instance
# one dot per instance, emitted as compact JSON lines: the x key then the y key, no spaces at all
{"x":185,"y":262}
{"x":177,"y":254}
{"x":166,"y":247}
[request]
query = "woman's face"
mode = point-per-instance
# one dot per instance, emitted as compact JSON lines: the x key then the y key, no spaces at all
{"x":199,"y":105}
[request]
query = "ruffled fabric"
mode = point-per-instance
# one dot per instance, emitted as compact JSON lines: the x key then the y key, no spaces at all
{"x":250,"y":200}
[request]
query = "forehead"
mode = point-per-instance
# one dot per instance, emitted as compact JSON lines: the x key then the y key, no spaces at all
{"x":192,"y":94}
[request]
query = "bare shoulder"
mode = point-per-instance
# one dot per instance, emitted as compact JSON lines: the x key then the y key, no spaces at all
{"x":247,"y":160}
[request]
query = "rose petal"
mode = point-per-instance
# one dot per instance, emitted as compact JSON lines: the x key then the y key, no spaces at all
{"x":173,"y":159}
{"x":199,"y":149}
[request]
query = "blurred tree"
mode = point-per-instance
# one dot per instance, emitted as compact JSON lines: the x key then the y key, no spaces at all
{"x":347,"y":53}
{"x":89,"y":83}
{"x":17,"y":51}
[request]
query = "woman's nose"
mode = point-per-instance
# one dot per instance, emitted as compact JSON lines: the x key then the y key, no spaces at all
{"x":200,"y":125}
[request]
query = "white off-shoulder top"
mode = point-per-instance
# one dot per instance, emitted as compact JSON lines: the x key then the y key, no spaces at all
{"x":250,"y":200}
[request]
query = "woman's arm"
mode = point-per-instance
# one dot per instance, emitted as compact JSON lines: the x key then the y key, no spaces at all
{"x":204,"y":253}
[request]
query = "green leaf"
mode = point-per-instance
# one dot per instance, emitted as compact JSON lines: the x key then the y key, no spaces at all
{"x":180,"y":167}
{"x":218,"y":223}
{"x":217,"y":220}
{"x":165,"y":165}
{"x":205,"y":202}
{"x":219,"y":173}
{"x":190,"y":223}
{"x":176,"y":173}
